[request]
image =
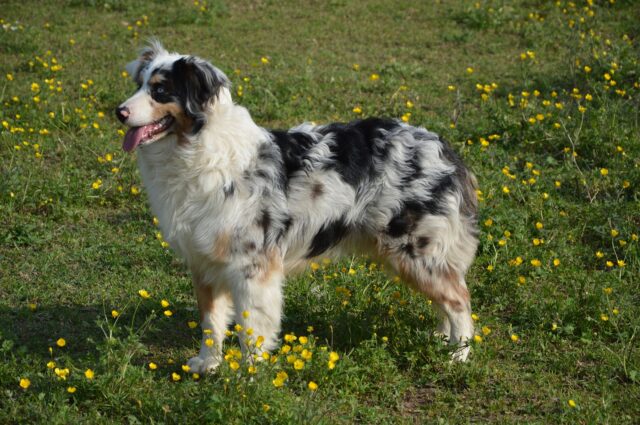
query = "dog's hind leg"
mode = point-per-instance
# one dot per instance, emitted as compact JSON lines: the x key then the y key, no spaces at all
{"x":215,"y":313}
{"x":448,"y":292}
{"x":258,"y":300}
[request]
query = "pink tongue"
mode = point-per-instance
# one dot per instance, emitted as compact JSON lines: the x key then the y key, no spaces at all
{"x":133,"y":138}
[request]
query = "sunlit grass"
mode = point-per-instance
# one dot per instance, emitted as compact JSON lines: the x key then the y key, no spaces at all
{"x":97,"y":316}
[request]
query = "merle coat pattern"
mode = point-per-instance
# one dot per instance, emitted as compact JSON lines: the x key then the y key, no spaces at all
{"x":244,"y":205}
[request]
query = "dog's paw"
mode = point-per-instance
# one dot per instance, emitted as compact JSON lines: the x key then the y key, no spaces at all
{"x":202,"y":364}
{"x":461,"y":353}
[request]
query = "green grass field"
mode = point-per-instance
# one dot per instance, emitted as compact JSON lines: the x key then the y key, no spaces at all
{"x":541,"y":98}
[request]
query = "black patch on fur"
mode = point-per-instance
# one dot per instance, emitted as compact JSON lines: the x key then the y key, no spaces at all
{"x":327,"y":237}
{"x":357,"y":145}
{"x":196,"y":83}
{"x":414,"y":162}
{"x":163,"y":91}
{"x":293,"y":149}
{"x":265,"y":223}
{"x":407,"y":219}
{"x":408,"y":249}
{"x":422,"y":241}
{"x":229,"y":189}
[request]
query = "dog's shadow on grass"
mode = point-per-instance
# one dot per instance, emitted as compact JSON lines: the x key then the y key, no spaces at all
{"x":86,"y":327}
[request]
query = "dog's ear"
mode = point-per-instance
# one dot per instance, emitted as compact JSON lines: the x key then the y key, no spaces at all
{"x":147,"y":55}
{"x":198,"y":83}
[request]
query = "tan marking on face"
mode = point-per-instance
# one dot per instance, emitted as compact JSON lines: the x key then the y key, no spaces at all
{"x":156,"y":79}
{"x":183,"y":123}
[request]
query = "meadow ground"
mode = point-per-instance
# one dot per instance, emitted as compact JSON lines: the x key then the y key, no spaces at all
{"x":541,"y":98}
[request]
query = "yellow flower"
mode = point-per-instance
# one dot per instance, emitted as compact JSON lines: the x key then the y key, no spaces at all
{"x":264,"y":60}
{"x":614,"y":233}
{"x":477,"y":339}
{"x":24,"y":383}
{"x":451,"y":88}
{"x":234,"y":365}
{"x":71,"y":390}
{"x":556,"y":262}
{"x":51,"y":364}
{"x":469,"y":70}
{"x":539,"y":226}
{"x":356,"y":67}
{"x":186,"y":368}
{"x":238,"y":327}
{"x":357,"y":110}
{"x":208,"y":342}
{"x":604,"y":317}
{"x":374,"y":77}
{"x":621,"y":263}
{"x":61,"y":373}
{"x":571,"y":404}
{"x":61,"y":342}
{"x":536,"y":263}
{"x":333,"y":356}
{"x":164,"y":303}
{"x":599,"y":254}
{"x":505,"y":189}
{"x":135,"y":190}
{"x":312,"y":386}
{"x":475,"y":317}
{"x":89,"y":374}
{"x":486,"y":330}
{"x":515,"y":338}
{"x":175,"y":377}
{"x":604,"y":171}
{"x":265,"y":407}
{"x":298,"y":364}
{"x":153,"y":366}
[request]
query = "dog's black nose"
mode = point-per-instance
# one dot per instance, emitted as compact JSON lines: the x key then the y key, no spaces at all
{"x":122,"y":112}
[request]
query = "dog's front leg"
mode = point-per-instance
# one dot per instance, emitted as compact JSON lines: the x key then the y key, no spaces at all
{"x":258,"y":301}
{"x":215,"y":312}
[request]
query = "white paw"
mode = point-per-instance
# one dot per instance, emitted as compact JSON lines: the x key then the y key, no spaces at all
{"x":461,"y":353}
{"x":202,"y":364}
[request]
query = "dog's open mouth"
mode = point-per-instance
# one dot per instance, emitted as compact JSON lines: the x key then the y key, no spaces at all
{"x":137,"y":135}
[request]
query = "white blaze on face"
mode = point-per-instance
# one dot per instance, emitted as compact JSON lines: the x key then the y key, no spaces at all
{"x":140,"y":107}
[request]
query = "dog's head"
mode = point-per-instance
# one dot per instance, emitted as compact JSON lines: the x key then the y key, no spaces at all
{"x":174,"y":93}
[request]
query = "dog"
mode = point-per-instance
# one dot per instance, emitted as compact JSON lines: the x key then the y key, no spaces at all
{"x":244,"y":205}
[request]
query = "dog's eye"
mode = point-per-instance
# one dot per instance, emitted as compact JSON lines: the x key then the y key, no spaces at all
{"x":159,"y":90}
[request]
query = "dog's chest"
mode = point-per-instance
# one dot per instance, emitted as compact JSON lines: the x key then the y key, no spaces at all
{"x":187,"y":203}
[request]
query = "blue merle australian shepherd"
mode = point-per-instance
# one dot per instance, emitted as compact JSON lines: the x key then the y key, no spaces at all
{"x":244,"y":205}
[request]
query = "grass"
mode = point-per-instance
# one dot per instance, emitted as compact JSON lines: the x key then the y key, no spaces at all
{"x":552,"y":142}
